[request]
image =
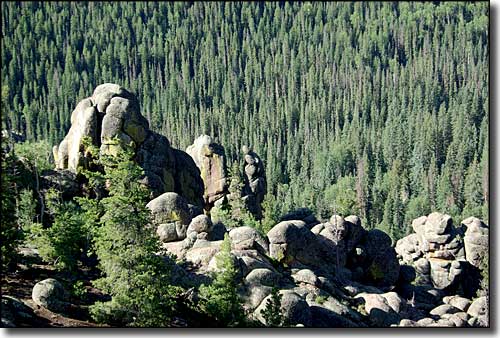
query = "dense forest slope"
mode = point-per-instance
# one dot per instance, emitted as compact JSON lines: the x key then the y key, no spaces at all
{"x":374,"y":109}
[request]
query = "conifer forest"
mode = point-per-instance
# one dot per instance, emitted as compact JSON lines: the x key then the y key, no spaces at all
{"x":210,"y":134}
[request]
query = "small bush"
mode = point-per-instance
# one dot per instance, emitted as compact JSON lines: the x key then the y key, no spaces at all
{"x":38,"y":154}
{"x":220,"y":299}
{"x":64,"y":242}
{"x":26,"y":209}
{"x":320,"y":300}
{"x":78,"y":290}
{"x":272,"y":314}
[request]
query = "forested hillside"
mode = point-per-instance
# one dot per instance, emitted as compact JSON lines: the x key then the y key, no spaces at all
{"x":376,"y":109}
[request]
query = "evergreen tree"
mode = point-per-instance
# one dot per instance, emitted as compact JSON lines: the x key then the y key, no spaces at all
{"x":136,"y":278}
{"x":220,"y":299}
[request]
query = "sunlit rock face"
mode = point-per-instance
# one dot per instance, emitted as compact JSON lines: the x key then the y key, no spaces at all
{"x":211,"y":161}
{"x":111,"y":119}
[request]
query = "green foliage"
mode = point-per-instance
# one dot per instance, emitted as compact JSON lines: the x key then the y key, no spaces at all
{"x":272,"y":314}
{"x":485,"y":277}
{"x":78,"y":290}
{"x":223,"y":215}
{"x":234,"y":213}
{"x":341,"y":197}
{"x":10,"y":232}
{"x":220,"y":299}
{"x":417,"y":207}
{"x":26,"y":209}
{"x":316,"y":88}
{"x":137,"y":279}
{"x":271,"y":214}
{"x":248,"y":219}
{"x":473,"y":192}
{"x":320,"y":300}
{"x":65,"y":242}
{"x":38,"y":154}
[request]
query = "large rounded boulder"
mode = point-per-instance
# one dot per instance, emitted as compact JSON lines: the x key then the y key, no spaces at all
{"x":50,"y":294}
{"x":171,"y":215}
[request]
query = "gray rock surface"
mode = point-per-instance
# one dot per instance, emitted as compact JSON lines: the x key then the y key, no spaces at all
{"x":458,"y":302}
{"x":50,"y":294}
{"x":246,"y":237}
{"x":262,"y":276}
{"x":199,"y":224}
{"x":255,"y":184}
{"x":444,"y":309}
{"x":170,"y":209}
{"x":210,"y":159}
{"x":476,"y":240}
{"x":436,"y":251}
{"x":383,"y":309}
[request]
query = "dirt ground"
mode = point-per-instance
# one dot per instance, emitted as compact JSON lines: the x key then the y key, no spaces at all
{"x":19,"y":283}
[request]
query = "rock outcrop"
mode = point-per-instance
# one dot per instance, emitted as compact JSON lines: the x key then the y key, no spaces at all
{"x":210,"y":159}
{"x":435,"y":250}
{"x":255,"y":185}
{"x":111,"y":120}
{"x":173,"y":217}
{"x":15,"y":313}
{"x":476,"y":241}
{"x":336,"y":273}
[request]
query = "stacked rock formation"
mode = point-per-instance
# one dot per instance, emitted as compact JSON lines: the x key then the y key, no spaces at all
{"x":255,"y":186}
{"x":341,"y":247}
{"x":210,"y":159}
{"x":111,"y":119}
{"x":476,"y":241}
{"x":435,"y":250}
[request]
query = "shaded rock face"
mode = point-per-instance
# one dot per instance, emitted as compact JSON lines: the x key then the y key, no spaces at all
{"x":15,"y":312}
{"x":211,"y":161}
{"x":293,"y":307}
{"x":441,"y":256}
{"x":255,"y":186}
{"x":292,"y":241}
{"x":340,"y":246}
{"x":64,"y":181}
{"x":383,"y":309}
{"x":378,"y":259}
{"x":112,"y":120}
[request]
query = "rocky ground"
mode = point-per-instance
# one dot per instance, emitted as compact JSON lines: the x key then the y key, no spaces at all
{"x":332,"y":274}
{"x":19,"y":308}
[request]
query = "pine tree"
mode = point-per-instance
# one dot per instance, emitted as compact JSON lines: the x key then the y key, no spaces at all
{"x":137,"y":279}
{"x":220,"y":299}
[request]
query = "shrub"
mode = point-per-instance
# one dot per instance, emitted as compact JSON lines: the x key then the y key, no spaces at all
{"x":38,"y":154}
{"x":78,"y":290}
{"x":272,"y":314}
{"x":26,"y":209}
{"x":220,"y":299}
{"x":64,"y":242}
{"x":11,"y":234}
